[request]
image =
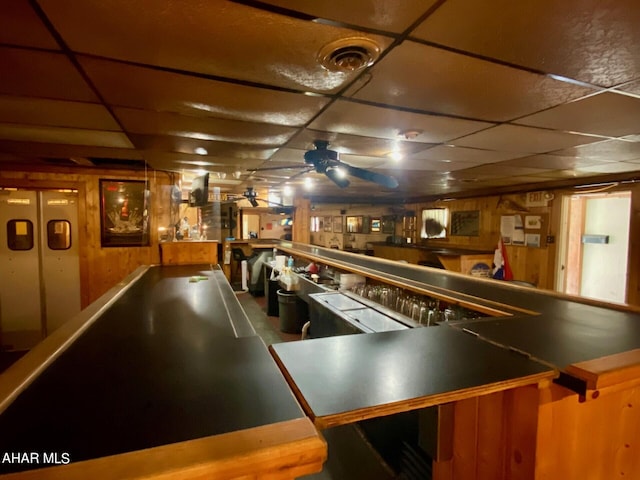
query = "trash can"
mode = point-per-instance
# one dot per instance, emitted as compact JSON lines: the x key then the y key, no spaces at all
{"x":292,"y":315}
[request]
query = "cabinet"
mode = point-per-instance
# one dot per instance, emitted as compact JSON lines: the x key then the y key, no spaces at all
{"x":189,"y":253}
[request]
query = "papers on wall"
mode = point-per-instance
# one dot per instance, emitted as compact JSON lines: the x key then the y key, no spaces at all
{"x":512,"y":229}
{"x":531,"y":232}
{"x":532,"y":239}
{"x":533,"y":222}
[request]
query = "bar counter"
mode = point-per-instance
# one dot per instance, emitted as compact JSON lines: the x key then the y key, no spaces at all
{"x":168,"y":376}
{"x":555,"y":394}
{"x":556,"y":329}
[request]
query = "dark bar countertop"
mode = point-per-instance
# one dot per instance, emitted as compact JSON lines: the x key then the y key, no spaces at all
{"x":556,"y":329}
{"x":349,"y":378}
{"x":174,"y":358}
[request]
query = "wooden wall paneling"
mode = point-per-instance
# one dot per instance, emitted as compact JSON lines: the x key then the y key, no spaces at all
{"x":465,"y":438}
{"x":573,"y":275}
{"x":555,"y":219}
{"x":491,"y":437}
{"x":589,"y":440}
{"x":633,"y":273}
{"x":302,"y":212}
{"x":100,"y":268}
{"x":554,"y":420}
{"x":528,"y":263}
{"x":521,"y":417}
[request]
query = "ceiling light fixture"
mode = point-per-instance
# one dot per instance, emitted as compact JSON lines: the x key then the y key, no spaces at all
{"x":308,"y":183}
{"x":410,"y":134}
{"x":201,"y":151}
{"x":396,"y":155}
{"x":237,"y":174}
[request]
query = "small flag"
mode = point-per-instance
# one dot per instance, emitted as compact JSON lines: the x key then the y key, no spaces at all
{"x":502,"y":269}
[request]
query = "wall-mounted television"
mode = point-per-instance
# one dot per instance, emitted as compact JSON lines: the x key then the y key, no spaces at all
{"x":199,"y":194}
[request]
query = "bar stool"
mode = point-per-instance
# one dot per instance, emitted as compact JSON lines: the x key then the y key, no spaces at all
{"x":238,"y":256}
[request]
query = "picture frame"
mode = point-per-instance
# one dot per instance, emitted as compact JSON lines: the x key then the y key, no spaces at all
{"x":354,"y":224}
{"x":337,"y":224}
{"x":327,"y":224}
{"x":465,"y":223}
{"x":124,"y":213}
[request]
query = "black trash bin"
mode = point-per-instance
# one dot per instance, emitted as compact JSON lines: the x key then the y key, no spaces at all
{"x":292,"y":312}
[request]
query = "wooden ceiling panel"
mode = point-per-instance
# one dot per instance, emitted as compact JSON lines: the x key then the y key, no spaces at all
{"x":20,"y":25}
{"x":132,"y":86}
{"x":385,"y":15}
{"x":610,"y":114}
{"x":198,"y":128}
{"x":593,"y":42}
{"x":36,"y":73}
{"x":71,"y":136}
{"x":514,"y":138}
{"x":371,"y":121}
{"x":56,"y":113}
{"x":445,"y":82}
{"x":265,"y":48}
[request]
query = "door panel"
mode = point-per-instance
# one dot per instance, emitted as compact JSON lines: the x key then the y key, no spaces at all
{"x":20,"y":303}
{"x":60,"y":256}
{"x":604,"y":266}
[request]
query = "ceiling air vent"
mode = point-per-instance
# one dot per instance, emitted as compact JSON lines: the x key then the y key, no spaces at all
{"x":349,"y":54}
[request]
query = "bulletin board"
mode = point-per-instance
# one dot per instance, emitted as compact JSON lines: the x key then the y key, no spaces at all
{"x":465,"y":223}
{"x":525,"y":230}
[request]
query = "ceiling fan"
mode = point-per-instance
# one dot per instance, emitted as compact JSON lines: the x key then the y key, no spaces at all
{"x":326,"y":161}
{"x":251,"y":195}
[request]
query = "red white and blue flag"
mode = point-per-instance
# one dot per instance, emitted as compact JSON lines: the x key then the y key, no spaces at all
{"x":502,"y":269}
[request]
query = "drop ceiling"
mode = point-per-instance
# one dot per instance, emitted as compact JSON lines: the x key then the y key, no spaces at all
{"x":476,"y":96}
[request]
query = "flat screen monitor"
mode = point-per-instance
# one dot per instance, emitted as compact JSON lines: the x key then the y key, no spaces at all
{"x":199,"y":194}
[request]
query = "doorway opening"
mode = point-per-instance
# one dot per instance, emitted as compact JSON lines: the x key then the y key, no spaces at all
{"x":594,"y":246}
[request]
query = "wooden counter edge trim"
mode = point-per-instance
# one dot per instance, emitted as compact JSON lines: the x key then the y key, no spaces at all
{"x":622,"y":307}
{"x":19,"y":376}
{"x":609,"y":370}
{"x":352,"y":416}
{"x":292,"y":385}
{"x":283,"y":450}
{"x":483,"y":305}
{"x":335,"y":420}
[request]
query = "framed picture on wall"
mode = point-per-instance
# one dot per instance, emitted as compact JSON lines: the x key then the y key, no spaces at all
{"x":327,"y":224}
{"x":337,"y":224}
{"x":124,"y":213}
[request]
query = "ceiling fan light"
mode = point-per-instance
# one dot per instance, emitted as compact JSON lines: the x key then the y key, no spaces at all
{"x":201,"y":151}
{"x":397,"y":155}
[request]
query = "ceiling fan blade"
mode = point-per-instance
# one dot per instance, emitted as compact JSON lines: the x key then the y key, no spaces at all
{"x":379,"y":178}
{"x":337,"y":178}
{"x":276,"y":168}
{"x":253,"y":201}
{"x":309,"y":169}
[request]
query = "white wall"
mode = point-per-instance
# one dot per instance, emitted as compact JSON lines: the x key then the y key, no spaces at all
{"x":270,"y":226}
{"x":604,"y":266}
